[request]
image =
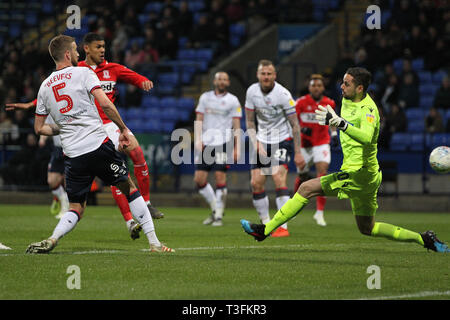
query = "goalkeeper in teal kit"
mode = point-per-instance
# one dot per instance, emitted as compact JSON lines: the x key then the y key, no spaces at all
{"x":359,"y":177}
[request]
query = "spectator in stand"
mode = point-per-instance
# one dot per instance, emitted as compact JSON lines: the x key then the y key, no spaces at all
{"x":221,"y":34}
{"x":23,"y":122}
{"x":185,"y":19}
{"x":438,"y":56}
{"x":103,"y":30}
{"x":135,"y":55}
{"x":442,"y":97}
{"x":407,"y":69}
{"x":133,"y":96}
{"x":235,"y":11}
{"x":434,"y":122}
{"x":390,"y":93}
{"x":201,"y":34}
{"x":151,"y":54}
{"x":413,"y":45}
{"x":396,"y":119}
{"x":168,"y":46}
{"x":9,"y":132}
{"x":408,"y":95}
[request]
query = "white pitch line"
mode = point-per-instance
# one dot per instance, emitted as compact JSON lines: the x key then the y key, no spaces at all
{"x":422,"y":294}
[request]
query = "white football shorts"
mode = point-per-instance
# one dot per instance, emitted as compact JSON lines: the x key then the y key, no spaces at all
{"x":315,"y":154}
{"x":113,"y":133}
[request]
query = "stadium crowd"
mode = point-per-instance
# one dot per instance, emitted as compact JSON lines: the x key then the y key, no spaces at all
{"x":414,"y":39}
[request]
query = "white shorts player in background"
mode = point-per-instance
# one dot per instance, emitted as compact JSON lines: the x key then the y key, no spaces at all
{"x":315,"y":138}
{"x":55,"y":174}
{"x":67,"y":95}
{"x":217,"y":127}
{"x":271,"y":106}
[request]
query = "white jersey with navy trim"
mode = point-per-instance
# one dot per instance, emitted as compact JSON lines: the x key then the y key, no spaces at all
{"x":218,"y":113}
{"x":271,"y":112}
{"x":66,"y":96}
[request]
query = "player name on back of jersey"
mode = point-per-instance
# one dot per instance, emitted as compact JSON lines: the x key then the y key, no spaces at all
{"x":58,"y":77}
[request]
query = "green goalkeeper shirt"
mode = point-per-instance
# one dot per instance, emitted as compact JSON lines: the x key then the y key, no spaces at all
{"x":359,"y":140}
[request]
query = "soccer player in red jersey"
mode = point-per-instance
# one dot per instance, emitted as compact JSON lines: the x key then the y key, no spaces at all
{"x":108,"y":74}
{"x":315,"y":138}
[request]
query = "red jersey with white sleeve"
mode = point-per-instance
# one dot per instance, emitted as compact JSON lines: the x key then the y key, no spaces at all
{"x":66,"y":96}
{"x":109,"y":74}
{"x":306,"y":107}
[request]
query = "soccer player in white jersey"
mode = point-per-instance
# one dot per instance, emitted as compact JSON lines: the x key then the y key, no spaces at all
{"x":55,"y":174}
{"x":217,"y":126}
{"x":271,"y":106}
{"x":67,"y":95}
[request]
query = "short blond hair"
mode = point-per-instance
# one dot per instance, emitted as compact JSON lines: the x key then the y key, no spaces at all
{"x":59,"y":45}
{"x":265,"y":63}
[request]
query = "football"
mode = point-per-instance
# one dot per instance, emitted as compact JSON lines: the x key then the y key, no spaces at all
{"x":440,"y":159}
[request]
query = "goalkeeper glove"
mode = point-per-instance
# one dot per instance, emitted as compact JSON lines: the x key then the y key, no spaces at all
{"x":327,"y":116}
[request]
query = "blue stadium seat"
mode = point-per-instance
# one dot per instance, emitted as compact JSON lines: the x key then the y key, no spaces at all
{"x":398,"y":66}
{"x":237,"y":32}
{"x":428,"y":89}
{"x":400,"y":141}
{"x":167,"y":126}
{"x":417,"y":64}
{"x":415,"y":113}
{"x":182,"y":41}
{"x":47,"y":7}
{"x":417,"y":142}
{"x":416,"y":125}
{"x":170,"y":113}
{"x":186,"y":54}
{"x":196,"y":6}
{"x":14,"y":30}
{"x":136,"y":125}
{"x":186,"y":103}
{"x":438,"y":76}
{"x":447,"y":115}
{"x":439,"y":139}
{"x":31,"y":18}
{"x":204,"y":54}
{"x":134,"y":113}
{"x":168,"y":102}
{"x":149,"y":101}
{"x":426,"y":101}
{"x":152,"y":125}
{"x":143,"y":18}
{"x":168,"y":78}
{"x":184,"y":114}
{"x":153,"y":7}
{"x":424,"y":76}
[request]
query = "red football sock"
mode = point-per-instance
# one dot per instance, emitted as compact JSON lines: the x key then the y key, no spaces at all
{"x":122,"y":203}
{"x":141,"y":172}
{"x":298,"y":181}
{"x":320,"y":200}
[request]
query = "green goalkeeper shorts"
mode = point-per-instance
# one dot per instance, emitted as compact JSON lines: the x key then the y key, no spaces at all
{"x":360,"y":187}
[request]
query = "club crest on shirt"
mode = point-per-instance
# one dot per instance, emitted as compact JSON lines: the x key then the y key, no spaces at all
{"x":106,"y":74}
{"x":370,"y":117}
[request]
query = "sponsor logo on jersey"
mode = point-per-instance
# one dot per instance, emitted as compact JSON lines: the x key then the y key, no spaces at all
{"x":108,"y":86}
{"x":308,"y":117}
{"x":106,"y":74}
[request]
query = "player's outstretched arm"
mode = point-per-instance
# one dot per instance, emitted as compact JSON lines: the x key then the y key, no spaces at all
{"x":327,"y":116}
{"x":23,"y":106}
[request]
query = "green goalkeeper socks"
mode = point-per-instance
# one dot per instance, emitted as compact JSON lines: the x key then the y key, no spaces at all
{"x":392,"y":232}
{"x":289,"y":210}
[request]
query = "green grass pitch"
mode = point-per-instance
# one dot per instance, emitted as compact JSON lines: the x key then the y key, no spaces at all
{"x":219,"y":263}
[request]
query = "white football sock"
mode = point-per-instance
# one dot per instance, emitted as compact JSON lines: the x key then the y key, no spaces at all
{"x":261,"y":204}
{"x":208,"y":193}
{"x":67,"y":222}
{"x":142,"y":215}
{"x":221,"y":196}
{"x":60,"y":193}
